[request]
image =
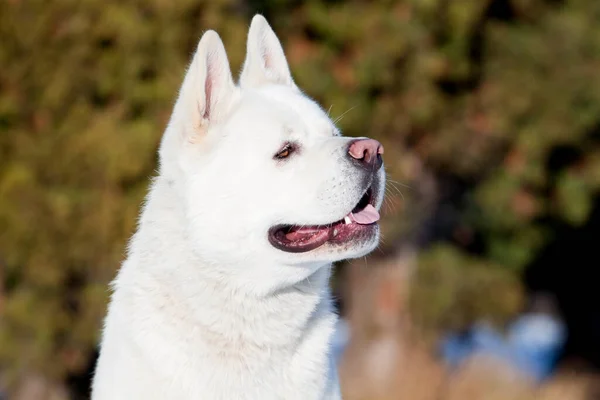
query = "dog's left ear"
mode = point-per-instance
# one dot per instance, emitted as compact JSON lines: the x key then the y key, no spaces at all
{"x":265,"y":60}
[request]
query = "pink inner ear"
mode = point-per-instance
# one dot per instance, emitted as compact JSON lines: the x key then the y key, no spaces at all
{"x":207,"y":94}
{"x":209,"y":84}
{"x":268,"y":60}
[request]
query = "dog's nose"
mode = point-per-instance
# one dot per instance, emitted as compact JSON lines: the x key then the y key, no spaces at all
{"x":367,"y":152}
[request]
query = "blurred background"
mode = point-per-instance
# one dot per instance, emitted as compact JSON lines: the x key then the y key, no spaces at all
{"x":484,"y":286}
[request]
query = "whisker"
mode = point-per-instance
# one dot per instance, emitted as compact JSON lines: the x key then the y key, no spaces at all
{"x":399,"y":183}
{"x":396,"y":191}
{"x":392,"y":186}
{"x":308,"y":281}
{"x":382,"y":240}
{"x":389,"y":204}
{"x":338,"y":119}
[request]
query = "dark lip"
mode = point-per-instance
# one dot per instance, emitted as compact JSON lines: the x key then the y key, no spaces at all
{"x":336,"y":232}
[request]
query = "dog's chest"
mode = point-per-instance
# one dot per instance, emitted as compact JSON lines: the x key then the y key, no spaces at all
{"x":238,"y":370}
{"x":232,"y":373}
{"x":219,"y":355}
{"x":234,"y":380}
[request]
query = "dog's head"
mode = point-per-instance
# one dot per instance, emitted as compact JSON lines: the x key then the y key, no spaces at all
{"x":261,"y":170}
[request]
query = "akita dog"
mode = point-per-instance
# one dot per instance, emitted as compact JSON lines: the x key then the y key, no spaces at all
{"x":224,"y":293}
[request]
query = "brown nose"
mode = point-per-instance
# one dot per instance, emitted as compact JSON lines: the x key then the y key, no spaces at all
{"x":367,"y":152}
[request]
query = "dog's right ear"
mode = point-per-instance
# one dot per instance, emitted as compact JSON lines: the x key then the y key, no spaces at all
{"x":205,"y":98}
{"x":208,"y":89}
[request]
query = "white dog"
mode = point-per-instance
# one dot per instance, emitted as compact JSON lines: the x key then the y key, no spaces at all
{"x":224,"y":293}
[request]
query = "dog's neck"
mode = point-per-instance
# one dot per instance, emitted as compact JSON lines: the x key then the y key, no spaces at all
{"x":170,"y":277}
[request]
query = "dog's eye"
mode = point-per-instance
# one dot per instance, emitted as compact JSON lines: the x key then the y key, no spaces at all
{"x":284,"y":152}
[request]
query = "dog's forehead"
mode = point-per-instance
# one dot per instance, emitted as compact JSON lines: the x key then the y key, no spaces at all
{"x":278,"y":110}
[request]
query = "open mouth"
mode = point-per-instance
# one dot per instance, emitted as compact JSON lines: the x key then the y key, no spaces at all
{"x":360,"y":222}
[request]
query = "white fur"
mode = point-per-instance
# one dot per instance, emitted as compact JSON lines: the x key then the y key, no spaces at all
{"x":204,"y":307}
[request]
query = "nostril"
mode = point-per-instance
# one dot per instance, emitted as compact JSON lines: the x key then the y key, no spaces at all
{"x":356,"y":150}
{"x":367,"y":152}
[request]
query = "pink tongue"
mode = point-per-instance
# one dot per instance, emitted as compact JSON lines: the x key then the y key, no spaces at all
{"x":367,"y":216}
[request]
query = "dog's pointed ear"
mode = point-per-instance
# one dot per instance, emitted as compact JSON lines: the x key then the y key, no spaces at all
{"x":208,"y":88}
{"x":265,"y":59}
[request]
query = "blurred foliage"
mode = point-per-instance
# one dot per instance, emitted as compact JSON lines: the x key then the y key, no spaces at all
{"x":483,"y":93}
{"x":455,"y":290}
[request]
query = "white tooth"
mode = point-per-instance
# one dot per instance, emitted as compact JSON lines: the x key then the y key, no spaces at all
{"x":335,"y":232}
{"x":347,"y":220}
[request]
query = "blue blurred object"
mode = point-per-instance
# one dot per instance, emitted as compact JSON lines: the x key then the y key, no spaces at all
{"x":340,"y":339}
{"x":532,"y":345}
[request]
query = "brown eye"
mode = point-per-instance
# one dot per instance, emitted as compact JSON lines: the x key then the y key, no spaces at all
{"x":285,"y":152}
